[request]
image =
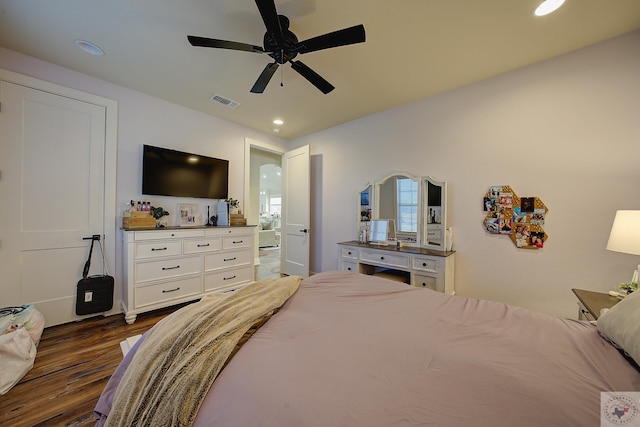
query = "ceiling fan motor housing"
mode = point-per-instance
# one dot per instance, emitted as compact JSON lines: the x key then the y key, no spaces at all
{"x":282,"y":53}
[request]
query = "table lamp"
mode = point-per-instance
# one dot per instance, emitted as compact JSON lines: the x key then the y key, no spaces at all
{"x":625,"y":235}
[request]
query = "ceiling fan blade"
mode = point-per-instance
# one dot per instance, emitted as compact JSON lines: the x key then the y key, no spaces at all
{"x":270,"y":18}
{"x":342,"y":37}
{"x":313,"y":77}
{"x":260,"y":84}
{"x":223,"y":44}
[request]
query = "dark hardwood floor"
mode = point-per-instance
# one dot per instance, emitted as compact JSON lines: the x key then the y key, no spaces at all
{"x":73,"y":364}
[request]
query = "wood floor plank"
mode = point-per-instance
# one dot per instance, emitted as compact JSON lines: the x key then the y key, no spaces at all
{"x":73,"y":365}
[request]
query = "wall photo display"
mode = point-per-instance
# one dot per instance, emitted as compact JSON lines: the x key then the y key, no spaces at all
{"x":520,"y":218}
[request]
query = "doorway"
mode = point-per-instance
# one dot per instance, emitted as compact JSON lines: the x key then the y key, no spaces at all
{"x":264,"y":208}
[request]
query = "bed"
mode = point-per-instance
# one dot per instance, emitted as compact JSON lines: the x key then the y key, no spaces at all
{"x":346,"y":349}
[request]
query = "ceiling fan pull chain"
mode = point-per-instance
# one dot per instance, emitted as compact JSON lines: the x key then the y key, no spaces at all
{"x":282,"y":71}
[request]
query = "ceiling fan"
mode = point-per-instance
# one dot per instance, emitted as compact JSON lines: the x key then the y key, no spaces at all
{"x":283,"y":46}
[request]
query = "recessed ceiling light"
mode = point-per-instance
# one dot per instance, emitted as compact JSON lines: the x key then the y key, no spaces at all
{"x":278,"y":122}
{"x":276,"y":130}
{"x":547,"y":7}
{"x":89,"y":47}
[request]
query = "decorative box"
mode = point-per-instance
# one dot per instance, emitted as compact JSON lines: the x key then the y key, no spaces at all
{"x":137,"y":219}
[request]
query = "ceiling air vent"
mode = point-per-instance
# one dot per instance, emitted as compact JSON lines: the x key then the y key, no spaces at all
{"x":224,"y":101}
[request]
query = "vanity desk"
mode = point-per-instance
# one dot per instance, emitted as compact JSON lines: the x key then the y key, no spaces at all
{"x":413,"y":210}
{"x":424,"y":268}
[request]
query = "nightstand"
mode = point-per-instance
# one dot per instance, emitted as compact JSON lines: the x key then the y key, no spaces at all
{"x":591,"y":303}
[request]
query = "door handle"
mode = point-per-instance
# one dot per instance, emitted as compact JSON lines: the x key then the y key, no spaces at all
{"x":304,"y":230}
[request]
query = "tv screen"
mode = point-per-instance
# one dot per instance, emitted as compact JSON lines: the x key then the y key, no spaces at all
{"x":174,"y":173}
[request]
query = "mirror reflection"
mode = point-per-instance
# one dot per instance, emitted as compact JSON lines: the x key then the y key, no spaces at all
{"x":398,"y":199}
{"x":365,"y":206}
{"x":434,"y":200}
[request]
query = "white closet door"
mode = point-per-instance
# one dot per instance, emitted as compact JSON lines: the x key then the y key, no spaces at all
{"x":52,"y":194}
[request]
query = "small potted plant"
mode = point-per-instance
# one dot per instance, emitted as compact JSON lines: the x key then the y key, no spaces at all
{"x":628,"y":287}
{"x":158,"y":213}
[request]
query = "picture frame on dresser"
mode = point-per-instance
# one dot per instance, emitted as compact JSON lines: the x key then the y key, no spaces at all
{"x":187,"y":213}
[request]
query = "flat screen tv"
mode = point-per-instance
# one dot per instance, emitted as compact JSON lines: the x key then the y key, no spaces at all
{"x":174,"y":173}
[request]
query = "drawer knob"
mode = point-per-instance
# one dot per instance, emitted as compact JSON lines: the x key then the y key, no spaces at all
{"x":237,"y":241}
{"x":203,"y":246}
{"x":170,"y":290}
{"x":230,"y":259}
{"x":229,"y":278}
{"x":170,"y":268}
{"x":424,"y":264}
{"x":349,"y":253}
{"x":381,"y":258}
{"x":158,"y":249}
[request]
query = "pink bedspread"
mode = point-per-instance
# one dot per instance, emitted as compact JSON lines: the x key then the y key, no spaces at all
{"x":354,"y":350}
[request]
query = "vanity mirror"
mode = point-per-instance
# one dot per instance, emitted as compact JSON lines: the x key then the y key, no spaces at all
{"x":398,"y":198}
{"x":434,"y":220}
{"x":365,"y":206}
{"x":416,"y":205}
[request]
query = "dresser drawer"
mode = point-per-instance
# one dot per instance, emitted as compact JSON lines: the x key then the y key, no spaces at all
{"x":229,"y":231}
{"x":202,"y":245}
{"x":158,"y":249}
{"x":216,"y":261}
{"x":233,"y":242}
{"x":167,"y":234}
{"x":165,"y":268}
{"x":226,"y":278}
{"x":349,"y":253}
{"x":350,"y":266}
{"x":425,"y":264}
{"x":159,"y":292}
{"x":385,"y":258}
{"x":426,"y":281}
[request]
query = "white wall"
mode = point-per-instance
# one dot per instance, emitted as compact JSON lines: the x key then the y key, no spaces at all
{"x":566,"y":130}
{"x":143,"y":119}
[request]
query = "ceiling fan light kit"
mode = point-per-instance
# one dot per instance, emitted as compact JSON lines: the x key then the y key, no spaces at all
{"x":283,"y":46}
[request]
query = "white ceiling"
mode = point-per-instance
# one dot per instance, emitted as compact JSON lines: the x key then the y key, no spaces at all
{"x":414,"y":49}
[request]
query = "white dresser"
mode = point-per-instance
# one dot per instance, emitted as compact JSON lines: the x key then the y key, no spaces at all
{"x":167,"y":266}
{"x":419,"y":267}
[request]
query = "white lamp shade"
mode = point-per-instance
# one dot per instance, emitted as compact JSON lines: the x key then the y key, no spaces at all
{"x":625,"y":233}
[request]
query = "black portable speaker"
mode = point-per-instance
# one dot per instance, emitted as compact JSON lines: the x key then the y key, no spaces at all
{"x":95,"y":293}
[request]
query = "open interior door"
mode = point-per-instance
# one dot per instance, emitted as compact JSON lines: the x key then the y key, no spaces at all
{"x":296,"y":213}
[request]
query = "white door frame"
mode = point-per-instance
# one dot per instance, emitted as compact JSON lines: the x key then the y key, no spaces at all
{"x":110,"y":156}
{"x":248,"y":145}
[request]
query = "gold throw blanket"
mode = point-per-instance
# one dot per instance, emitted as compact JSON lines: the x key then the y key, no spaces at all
{"x":182,"y":354}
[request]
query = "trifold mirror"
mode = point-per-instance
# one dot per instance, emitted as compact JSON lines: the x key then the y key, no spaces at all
{"x":417,"y":206}
{"x":434,"y":219}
